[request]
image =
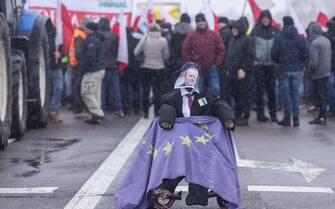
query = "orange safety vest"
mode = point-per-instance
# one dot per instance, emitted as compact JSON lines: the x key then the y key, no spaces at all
{"x":72,"y":53}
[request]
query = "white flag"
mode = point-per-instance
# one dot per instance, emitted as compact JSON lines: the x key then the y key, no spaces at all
{"x":59,"y":24}
{"x":296,"y":19}
{"x":123,"y":42}
{"x":143,"y":21}
{"x":165,"y":17}
{"x":210,"y":16}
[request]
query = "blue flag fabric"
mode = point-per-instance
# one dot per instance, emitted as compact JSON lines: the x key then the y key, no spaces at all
{"x":197,"y":147}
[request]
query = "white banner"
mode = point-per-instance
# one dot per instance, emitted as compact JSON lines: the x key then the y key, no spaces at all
{"x":79,"y":9}
{"x":96,"y":6}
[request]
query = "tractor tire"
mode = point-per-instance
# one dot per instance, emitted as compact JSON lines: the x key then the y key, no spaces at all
{"x":38,"y":79}
{"x":5,"y":85}
{"x":19,"y":94}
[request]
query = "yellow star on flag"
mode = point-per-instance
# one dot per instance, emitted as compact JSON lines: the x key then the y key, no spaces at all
{"x":186,"y":140}
{"x":203,"y":125}
{"x":201,"y":139}
{"x":168,"y":148}
{"x":209,"y":136}
{"x":153,"y":151}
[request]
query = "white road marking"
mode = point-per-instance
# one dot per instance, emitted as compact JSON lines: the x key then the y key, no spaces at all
{"x":33,"y":190}
{"x":11,"y":141}
{"x":92,"y":191}
{"x":290,"y":189}
{"x":309,"y":171}
{"x":277,"y":189}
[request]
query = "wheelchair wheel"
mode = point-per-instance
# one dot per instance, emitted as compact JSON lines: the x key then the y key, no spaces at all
{"x":222,"y":203}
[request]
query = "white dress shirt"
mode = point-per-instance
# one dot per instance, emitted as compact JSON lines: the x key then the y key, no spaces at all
{"x":186,"y":108}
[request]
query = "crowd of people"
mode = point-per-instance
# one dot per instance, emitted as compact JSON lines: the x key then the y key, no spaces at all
{"x":247,"y":68}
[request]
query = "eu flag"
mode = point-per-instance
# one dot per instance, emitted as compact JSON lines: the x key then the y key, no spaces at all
{"x":197,"y":147}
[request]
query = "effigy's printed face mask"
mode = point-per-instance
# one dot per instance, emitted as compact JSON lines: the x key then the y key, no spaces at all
{"x":188,"y":79}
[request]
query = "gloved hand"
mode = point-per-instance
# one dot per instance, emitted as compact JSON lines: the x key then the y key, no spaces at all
{"x":166,"y":125}
{"x":230,"y":125}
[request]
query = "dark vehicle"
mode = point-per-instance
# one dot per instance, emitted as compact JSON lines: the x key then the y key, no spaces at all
{"x":24,"y":69}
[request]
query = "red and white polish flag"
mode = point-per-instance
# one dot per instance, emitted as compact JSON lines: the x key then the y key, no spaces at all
{"x":123,"y":42}
{"x":322,"y":18}
{"x":64,"y":29}
{"x":211,"y":18}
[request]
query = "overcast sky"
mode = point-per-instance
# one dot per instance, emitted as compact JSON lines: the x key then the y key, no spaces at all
{"x":306,"y":9}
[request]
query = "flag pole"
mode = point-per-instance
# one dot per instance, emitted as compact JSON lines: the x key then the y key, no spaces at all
{"x":244,"y":7}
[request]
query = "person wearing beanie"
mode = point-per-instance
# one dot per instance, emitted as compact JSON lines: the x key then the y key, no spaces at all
{"x":111,"y":81}
{"x":94,"y":72}
{"x":206,"y":48}
{"x":265,"y":70}
{"x":290,"y":52}
{"x":224,"y":29}
{"x":185,"y":18}
{"x":319,"y":69}
{"x":179,"y":34}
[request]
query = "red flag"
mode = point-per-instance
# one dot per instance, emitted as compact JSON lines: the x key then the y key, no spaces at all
{"x":322,"y":18}
{"x":67,"y":29}
{"x":63,"y":27}
{"x":256,"y":11}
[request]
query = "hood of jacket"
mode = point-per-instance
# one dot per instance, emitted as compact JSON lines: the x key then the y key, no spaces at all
{"x":289,"y":32}
{"x":266,"y":32}
{"x":265,"y":13}
{"x":104,"y":24}
{"x":241,"y":27}
{"x":183,"y":28}
{"x":314,"y":30}
{"x":154,"y":34}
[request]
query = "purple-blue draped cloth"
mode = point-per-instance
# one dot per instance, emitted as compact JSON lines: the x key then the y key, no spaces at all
{"x":197,"y":147}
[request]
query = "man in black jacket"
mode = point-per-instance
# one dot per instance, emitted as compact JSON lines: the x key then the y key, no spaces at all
{"x":238,"y":63}
{"x":179,"y":34}
{"x":185,"y":101}
{"x":331,"y":87}
{"x":290,"y":52}
{"x":111,"y":83}
{"x":265,"y":71}
{"x":94,"y":72}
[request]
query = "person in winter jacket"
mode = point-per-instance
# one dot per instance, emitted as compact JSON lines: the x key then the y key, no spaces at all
{"x":205,"y":47}
{"x":94,"y":72}
{"x":179,"y":34}
{"x":111,"y":82}
{"x":290,"y":52}
{"x":238,"y":63}
{"x":130,"y":79}
{"x":224,"y":30}
{"x":265,"y":71}
{"x":76,"y":60}
{"x":319,"y":68}
{"x":56,"y":81}
{"x":331,"y":83}
{"x":156,"y":52}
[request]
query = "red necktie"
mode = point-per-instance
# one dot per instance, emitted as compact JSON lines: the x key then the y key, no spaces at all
{"x":190,"y":100}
